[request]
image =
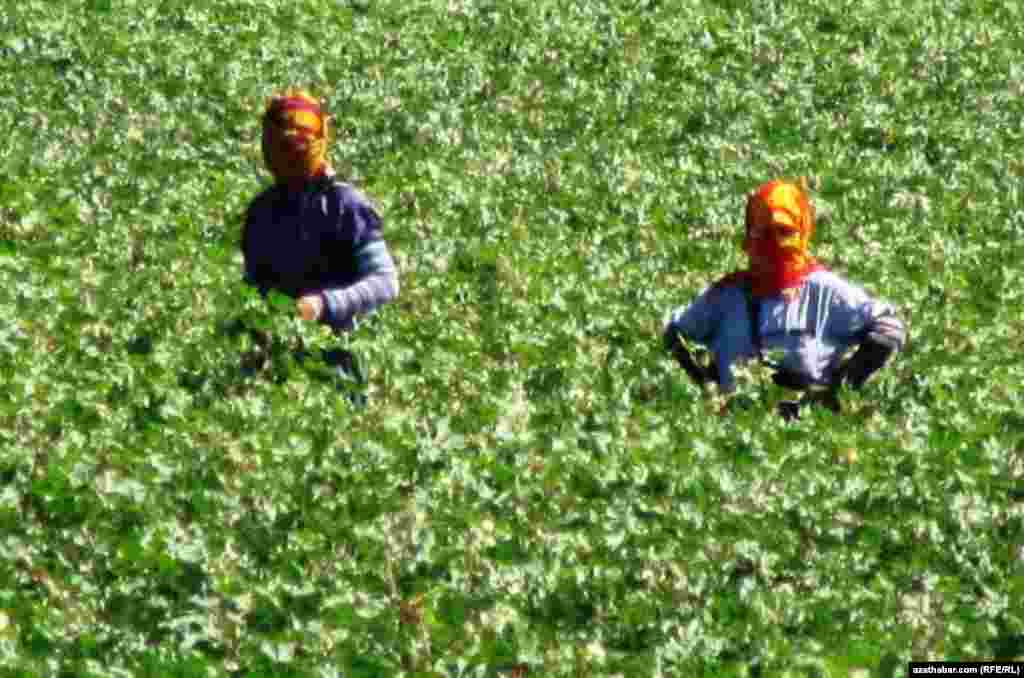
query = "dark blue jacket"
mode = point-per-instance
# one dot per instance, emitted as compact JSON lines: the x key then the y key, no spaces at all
{"x":324,"y":240}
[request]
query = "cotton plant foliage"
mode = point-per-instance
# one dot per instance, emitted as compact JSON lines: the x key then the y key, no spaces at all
{"x":535,"y":489}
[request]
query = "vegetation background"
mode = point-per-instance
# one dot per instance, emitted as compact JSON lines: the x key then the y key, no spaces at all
{"x":535,"y":490}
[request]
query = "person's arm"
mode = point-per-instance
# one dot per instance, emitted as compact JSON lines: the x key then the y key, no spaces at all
{"x":701,"y":375}
{"x":697,"y":323}
{"x":376,"y":286}
{"x":846,"y":316}
{"x":855,"y":319}
{"x":250,"y":272}
{"x":884,"y":335}
{"x":376,"y":274}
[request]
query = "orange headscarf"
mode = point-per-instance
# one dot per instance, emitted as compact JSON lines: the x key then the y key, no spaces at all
{"x":295,"y":137}
{"x":779,"y":226}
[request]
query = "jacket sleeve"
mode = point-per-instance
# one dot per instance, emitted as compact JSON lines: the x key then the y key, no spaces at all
{"x":250,"y":272}
{"x":377,"y":285}
{"x":376,"y":280}
{"x":872,"y":326}
{"x":885,"y":329}
{"x":884,"y":335}
{"x":695,"y":322}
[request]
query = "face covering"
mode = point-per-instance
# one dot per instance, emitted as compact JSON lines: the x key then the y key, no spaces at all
{"x":294,"y":138}
{"x":779,"y":226}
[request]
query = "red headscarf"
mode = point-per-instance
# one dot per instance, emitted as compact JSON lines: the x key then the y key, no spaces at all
{"x":295,"y":137}
{"x":779,"y":226}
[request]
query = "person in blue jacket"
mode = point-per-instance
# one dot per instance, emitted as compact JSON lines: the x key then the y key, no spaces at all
{"x":311,"y":237}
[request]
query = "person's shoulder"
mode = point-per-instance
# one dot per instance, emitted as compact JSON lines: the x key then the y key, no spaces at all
{"x":837,"y":286}
{"x":737,"y":280}
{"x":257,"y":213}
{"x":349,"y":196}
{"x":356,"y":216}
{"x":261,"y":200}
{"x":729,"y":290}
{"x":826,"y":278}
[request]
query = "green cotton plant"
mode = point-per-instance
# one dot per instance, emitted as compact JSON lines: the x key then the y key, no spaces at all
{"x":534,"y":488}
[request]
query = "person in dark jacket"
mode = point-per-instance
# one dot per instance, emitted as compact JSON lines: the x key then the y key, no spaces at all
{"x":786,"y":303}
{"x":310,"y":236}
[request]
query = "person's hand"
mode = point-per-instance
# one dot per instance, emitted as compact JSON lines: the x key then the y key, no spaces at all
{"x":311,"y":307}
